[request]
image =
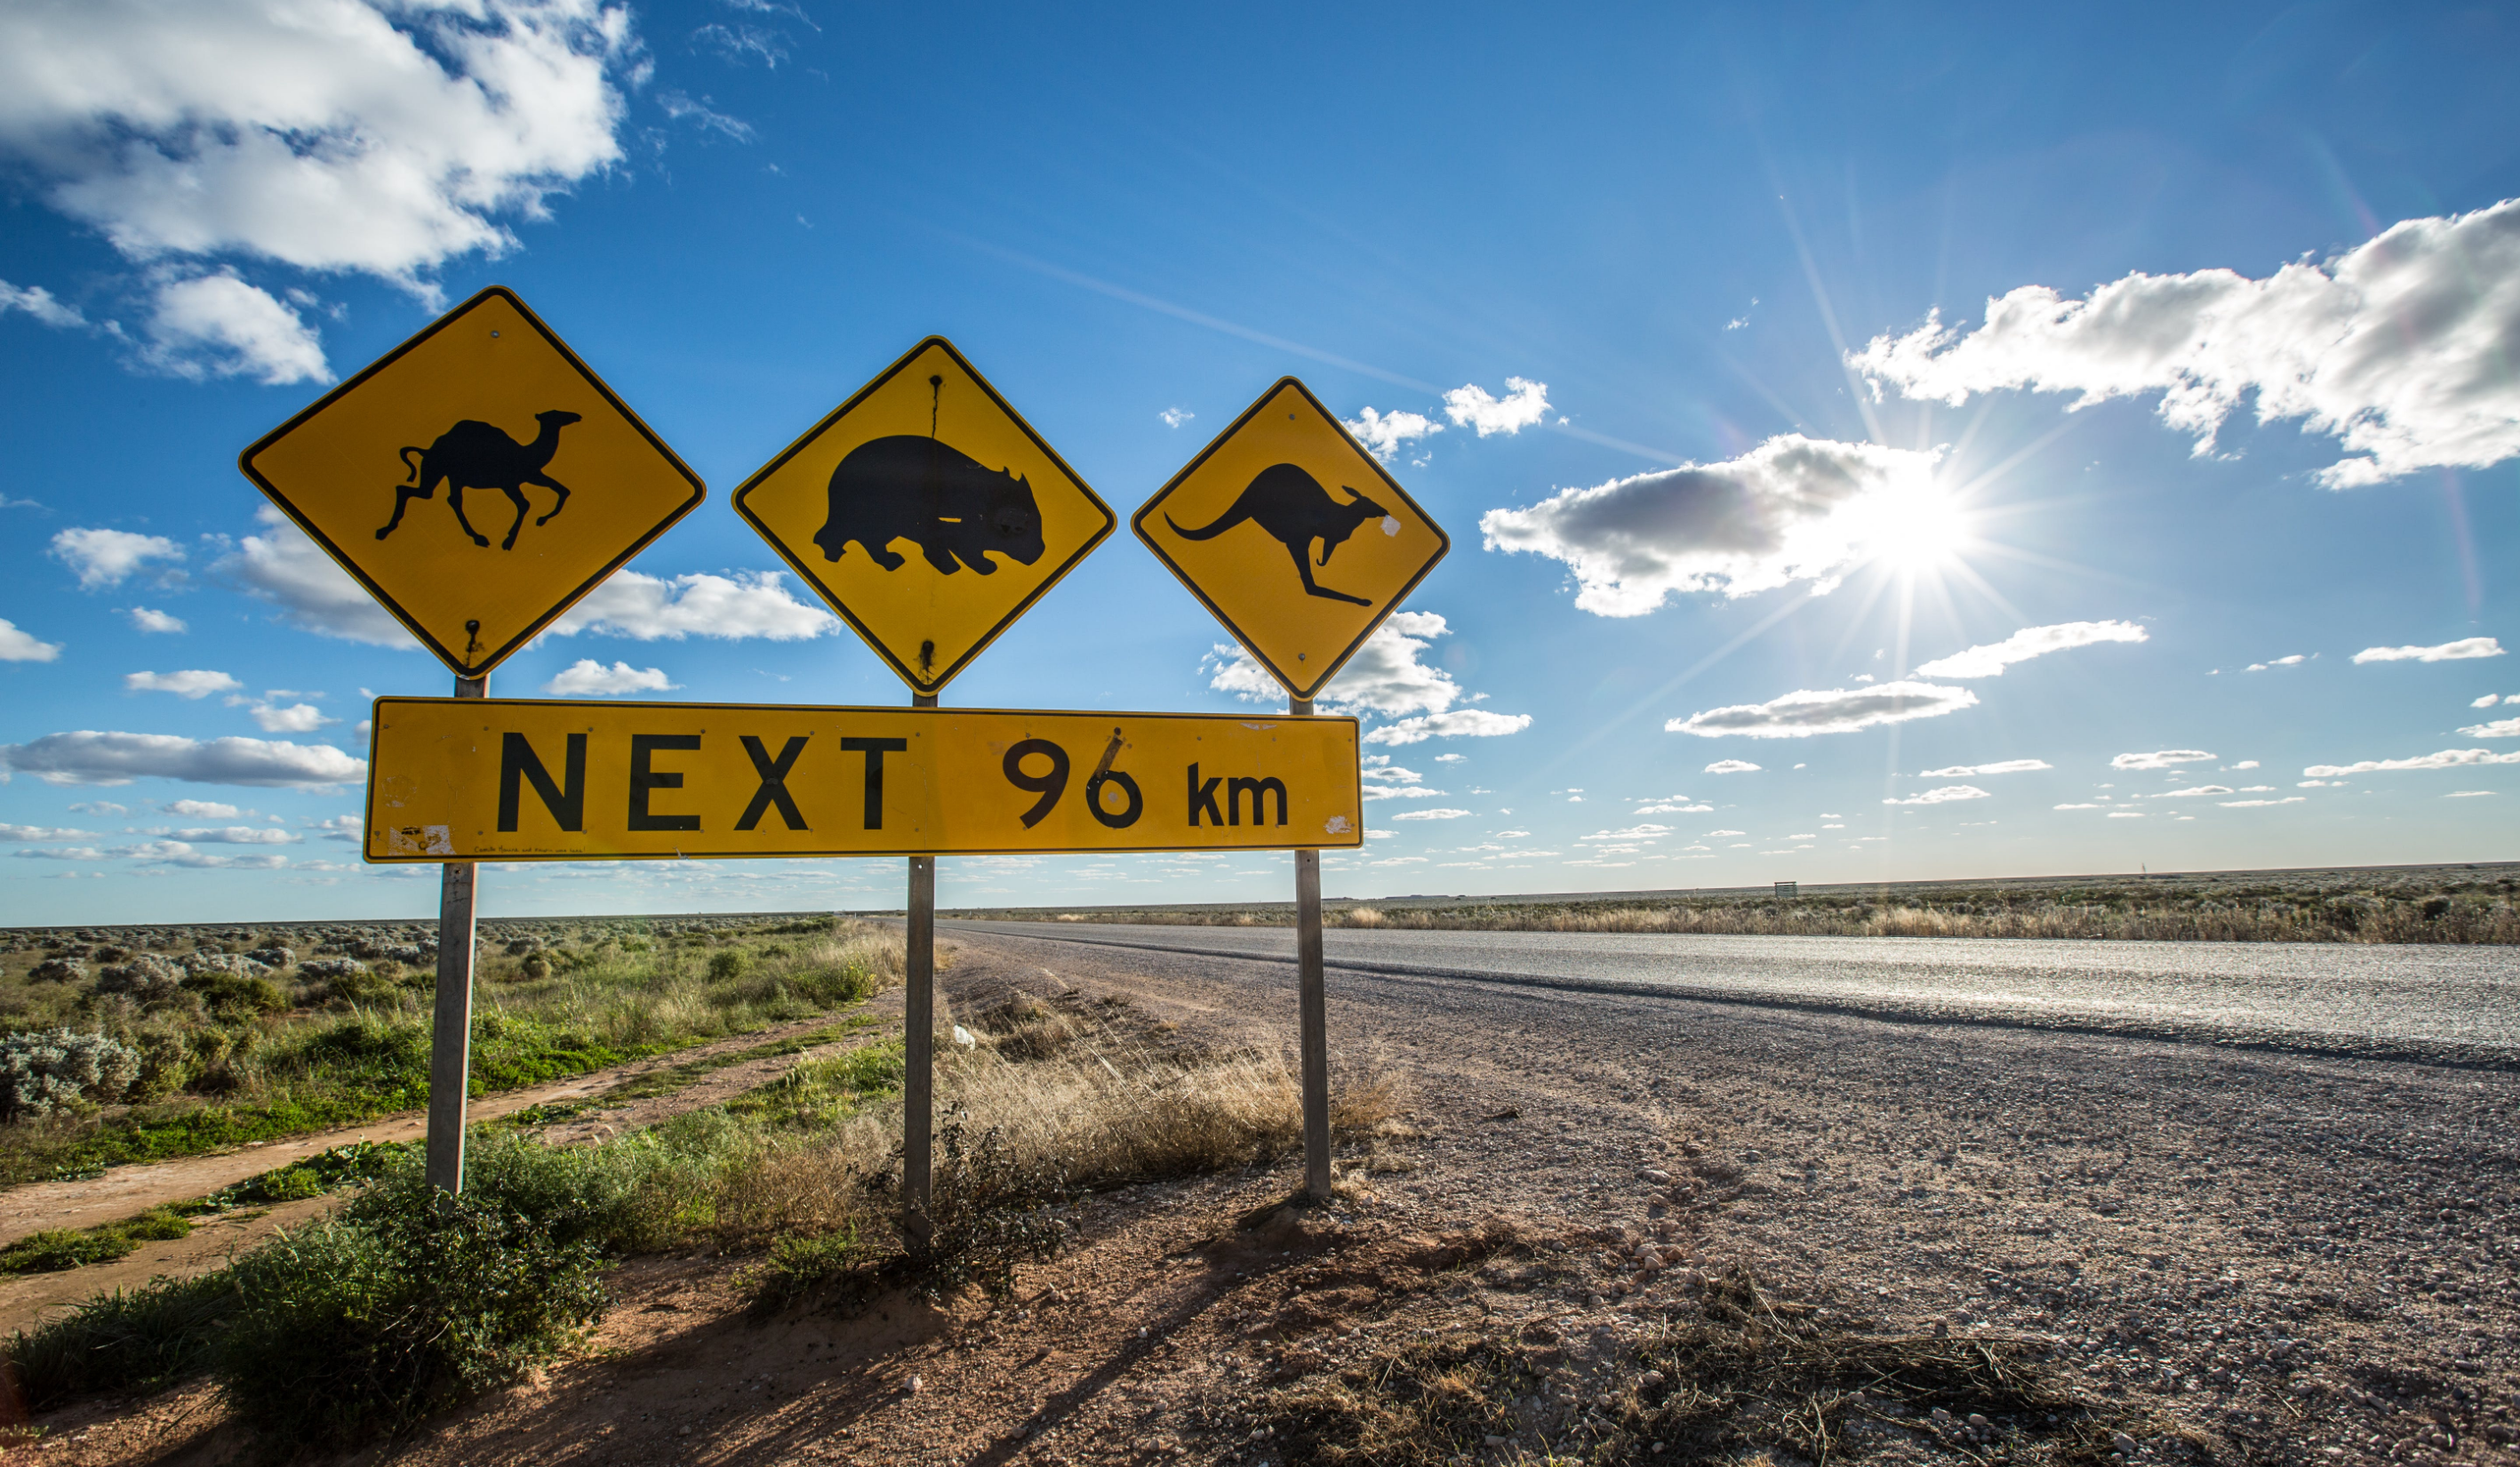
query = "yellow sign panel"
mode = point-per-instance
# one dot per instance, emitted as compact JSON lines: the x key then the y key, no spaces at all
{"x":501,"y":780}
{"x":1293,"y":535}
{"x":927,"y":512}
{"x":566,"y":483}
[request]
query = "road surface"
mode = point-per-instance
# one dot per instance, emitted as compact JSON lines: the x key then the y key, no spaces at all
{"x":2440,"y":1004}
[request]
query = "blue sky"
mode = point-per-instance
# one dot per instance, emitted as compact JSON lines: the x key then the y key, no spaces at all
{"x":2039,"y":441}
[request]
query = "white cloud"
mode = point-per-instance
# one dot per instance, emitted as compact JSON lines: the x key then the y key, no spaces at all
{"x":2162,"y":759}
{"x":1678,"y":805}
{"x":2467,"y":794}
{"x":143,"y":618}
{"x":2447,"y":652}
{"x":91,"y":758}
{"x":199,"y":809}
{"x":193,"y":682}
{"x":1460,"y":723}
{"x":587,"y":677}
{"x":2399,"y":348}
{"x":1455,"y":758}
{"x":2191,"y":791}
{"x":2078,"y":806}
{"x":2250,"y":804}
{"x":1972,"y":772}
{"x":2246,"y":764}
{"x":1944,"y":796}
{"x":108,"y":556}
{"x":1438,"y":813}
{"x":1175,"y":417}
{"x":1990,"y":659}
{"x":1807,"y":711}
{"x":180,"y":853}
{"x":2447,"y":758}
{"x":314,"y":594}
{"x":41,"y":833}
{"x":1791,"y":509}
{"x":2499,"y":728}
{"x":2294,"y":660}
{"x":2125,"y":814}
{"x":17,"y":646}
{"x":1524,"y":403}
{"x":646,"y":609}
{"x":1387,"y":433}
{"x":232,"y":835}
{"x":2488,"y":700}
{"x":1647,"y":832}
{"x":40,"y":303}
{"x":1732,"y":766}
{"x":65,"y":853}
{"x":298,"y":718}
{"x":315,"y":133}
{"x":216,"y":325}
{"x":1385,"y":675}
{"x":109,"y":807}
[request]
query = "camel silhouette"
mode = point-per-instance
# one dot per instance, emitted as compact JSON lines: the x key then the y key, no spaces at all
{"x":476,"y":455}
{"x":1293,"y":508}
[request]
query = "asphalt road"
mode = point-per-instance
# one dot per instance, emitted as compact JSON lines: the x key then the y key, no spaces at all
{"x":2440,"y":1004}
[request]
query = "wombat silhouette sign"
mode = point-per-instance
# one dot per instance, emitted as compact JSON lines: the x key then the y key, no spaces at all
{"x":486,"y":400}
{"x":927,"y":512}
{"x":1293,"y":535}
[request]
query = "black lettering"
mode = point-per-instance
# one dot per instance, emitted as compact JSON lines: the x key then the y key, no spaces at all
{"x":1128,"y":814}
{"x":1236,"y":787}
{"x":643,"y":780}
{"x":773,"y":783}
{"x":1203,"y":797}
{"x":874,"y":750}
{"x":565,"y":800}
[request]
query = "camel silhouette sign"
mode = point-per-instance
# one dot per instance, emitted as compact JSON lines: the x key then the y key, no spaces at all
{"x":927,"y":512}
{"x":1293,"y":535}
{"x":488,"y":400}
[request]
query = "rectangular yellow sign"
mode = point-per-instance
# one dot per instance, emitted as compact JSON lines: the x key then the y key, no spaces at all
{"x":501,"y":780}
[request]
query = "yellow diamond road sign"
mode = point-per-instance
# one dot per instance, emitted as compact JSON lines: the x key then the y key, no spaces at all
{"x":1293,"y":535}
{"x":927,"y":512}
{"x":478,"y":479}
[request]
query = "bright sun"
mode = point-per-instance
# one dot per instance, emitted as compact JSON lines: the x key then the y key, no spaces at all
{"x":1918,"y":529}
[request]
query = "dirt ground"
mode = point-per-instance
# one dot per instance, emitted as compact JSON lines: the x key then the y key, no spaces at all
{"x":2207,"y":1255}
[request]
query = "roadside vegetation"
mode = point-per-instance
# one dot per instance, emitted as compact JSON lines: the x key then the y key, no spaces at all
{"x":396,"y":1308}
{"x":142,"y":1044}
{"x":2460,"y":905}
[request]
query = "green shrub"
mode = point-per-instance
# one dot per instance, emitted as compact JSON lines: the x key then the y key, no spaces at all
{"x":349,"y":1330}
{"x":57,"y":1250}
{"x":42,"y":1073}
{"x":727,"y":964}
{"x":236,"y":995}
{"x":147,"y":1336}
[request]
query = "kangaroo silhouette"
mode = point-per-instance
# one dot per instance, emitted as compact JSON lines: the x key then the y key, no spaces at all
{"x":476,"y":455}
{"x":1293,"y":508}
{"x":908,"y":487}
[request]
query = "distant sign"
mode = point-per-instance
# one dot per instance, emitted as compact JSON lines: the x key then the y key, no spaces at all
{"x":566,"y":482}
{"x":1293,"y":535}
{"x":501,"y":780}
{"x":927,"y":512}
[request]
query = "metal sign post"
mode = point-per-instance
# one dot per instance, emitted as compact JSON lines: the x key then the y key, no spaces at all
{"x":450,"y":1048}
{"x":1312,"y":1010}
{"x":919,"y":1043}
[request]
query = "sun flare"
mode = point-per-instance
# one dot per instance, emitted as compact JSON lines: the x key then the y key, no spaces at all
{"x":1921,"y":530}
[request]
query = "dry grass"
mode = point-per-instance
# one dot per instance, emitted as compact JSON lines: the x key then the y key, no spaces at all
{"x":2457,"y":904}
{"x":1090,"y":1093}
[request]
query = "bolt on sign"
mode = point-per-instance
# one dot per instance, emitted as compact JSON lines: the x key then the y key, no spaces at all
{"x":455,"y":779}
{"x":1293,"y":535}
{"x":564,"y":483}
{"x":927,"y":512}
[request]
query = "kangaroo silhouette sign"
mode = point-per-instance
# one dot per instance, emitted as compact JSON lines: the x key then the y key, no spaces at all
{"x":488,"y":402}
{"x":1293,"y":535}
{"x":927,"y":512}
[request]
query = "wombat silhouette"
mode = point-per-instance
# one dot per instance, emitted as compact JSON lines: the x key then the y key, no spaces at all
{"x":1292,"y":508}
{"x":908,"y":487}
{"x":476,"y":455}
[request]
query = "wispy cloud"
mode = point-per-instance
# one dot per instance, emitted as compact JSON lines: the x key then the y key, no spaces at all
{"x":1524,"y":403}
{"x":2448,"y":652}
{"x":1807,"y":712}
{"x":2000,"y":766}
{"x":193,"y":682}
{"x":1991,"y":659}
{"x":91,"y":758}
{"x":587,"y":677}
{"x":2447,"y":758}
{"x":2162,"y":759}
{"x":18,"y":646}
{"x":1947,"y":795}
